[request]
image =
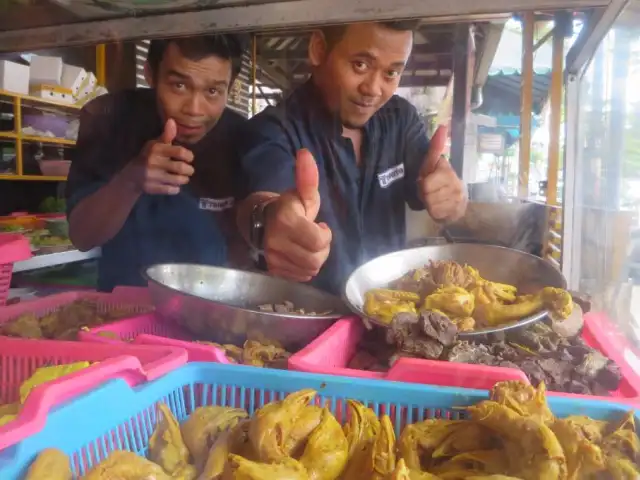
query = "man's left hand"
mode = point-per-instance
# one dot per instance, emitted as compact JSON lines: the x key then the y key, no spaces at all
{"x":443,"y":193}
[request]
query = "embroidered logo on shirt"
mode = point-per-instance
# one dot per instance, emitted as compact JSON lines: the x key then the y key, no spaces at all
{"x":216,"y":204}
{"x":387,"y":177}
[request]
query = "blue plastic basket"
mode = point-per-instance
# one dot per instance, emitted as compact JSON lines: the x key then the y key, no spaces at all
{"x":116,"y":416}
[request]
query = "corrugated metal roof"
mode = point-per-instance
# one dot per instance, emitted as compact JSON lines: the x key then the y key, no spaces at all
{"x":501,"y":93}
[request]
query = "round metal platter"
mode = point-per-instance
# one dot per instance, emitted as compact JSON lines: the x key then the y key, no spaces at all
{"x":526,"y":272}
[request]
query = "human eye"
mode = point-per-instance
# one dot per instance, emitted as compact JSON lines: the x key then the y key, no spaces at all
{"x":178,"y":86}
{"x":393,"y":74}
{"x":359,"y":66}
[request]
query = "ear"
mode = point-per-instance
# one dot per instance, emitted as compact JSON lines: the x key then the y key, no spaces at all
{"x":148,"y":75}
{"x":317,"y":48}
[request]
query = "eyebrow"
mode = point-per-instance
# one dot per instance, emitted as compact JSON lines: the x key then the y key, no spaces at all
{"x":373,"y":58}
{"x":182,"y":76}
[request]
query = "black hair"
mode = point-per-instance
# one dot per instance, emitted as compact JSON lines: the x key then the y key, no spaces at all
{"x":228,"y":46}
{"x":334,"y":33}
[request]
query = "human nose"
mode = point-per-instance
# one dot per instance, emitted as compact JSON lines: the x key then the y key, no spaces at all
{"x":371,"y":86}
{"x":193,"y":106}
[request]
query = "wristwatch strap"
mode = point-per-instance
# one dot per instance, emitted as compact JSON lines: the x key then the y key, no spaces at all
{"x":257,"y":226}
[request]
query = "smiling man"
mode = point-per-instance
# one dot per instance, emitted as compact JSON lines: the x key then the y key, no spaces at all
{"x":330,"y":169}
{"x":152,"y":177}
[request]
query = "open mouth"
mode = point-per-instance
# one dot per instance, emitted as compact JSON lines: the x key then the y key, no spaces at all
{"x":189,"y":129}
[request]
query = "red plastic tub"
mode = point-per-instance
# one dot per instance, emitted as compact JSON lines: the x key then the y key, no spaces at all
{"x":150,"y":330}
{"x":13,"y":248}
{"x":19,"y":358}
{"x":331,"y":352}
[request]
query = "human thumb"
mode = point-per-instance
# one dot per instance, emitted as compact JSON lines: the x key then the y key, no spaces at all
{"x":437,"y":146}
{"x":170,"y":132}
{"x":307,"y":181}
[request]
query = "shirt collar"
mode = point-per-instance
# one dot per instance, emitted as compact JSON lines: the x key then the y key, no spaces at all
{"x":317,"y":106}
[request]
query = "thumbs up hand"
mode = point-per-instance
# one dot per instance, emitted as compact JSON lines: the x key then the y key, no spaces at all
{"x":295,"y":246}
{"x":444,"y":194}
{"x":161,"y":167}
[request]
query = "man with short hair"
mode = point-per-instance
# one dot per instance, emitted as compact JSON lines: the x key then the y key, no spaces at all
{"x":152,"y":177}
{"x":330,"y":169}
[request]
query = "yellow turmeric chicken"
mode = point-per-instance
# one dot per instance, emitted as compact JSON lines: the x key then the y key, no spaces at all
{"x":464,"y":296}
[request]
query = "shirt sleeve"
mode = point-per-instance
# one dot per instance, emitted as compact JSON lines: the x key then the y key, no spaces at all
{"x":91,"y":167}
{"x":415,"y":151}
{"x":267,"y":157}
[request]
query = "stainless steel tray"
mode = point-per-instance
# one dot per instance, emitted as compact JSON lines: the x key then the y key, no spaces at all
{"x":526,"y":272}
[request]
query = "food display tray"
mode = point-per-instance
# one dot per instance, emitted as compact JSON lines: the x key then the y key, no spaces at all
{"x":130,"y":419}
{"x":331,"y":352}
{"x":19,"y":358}
{"x":130,"y":300}
{"x":148,"y":329}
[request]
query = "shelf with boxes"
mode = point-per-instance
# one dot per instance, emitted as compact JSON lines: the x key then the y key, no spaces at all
{"x":39,"y":107}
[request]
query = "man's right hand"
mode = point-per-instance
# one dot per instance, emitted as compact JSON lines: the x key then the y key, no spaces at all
{"x":295,"y":246}
{"x":161,"y":168}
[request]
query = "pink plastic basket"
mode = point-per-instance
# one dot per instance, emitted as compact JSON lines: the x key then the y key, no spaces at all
{"x":331,"y":352}
{"x":13,"y":248}
{"x":130,"y":300}
{"x":150,"y":330}
{"x":19,"y":358}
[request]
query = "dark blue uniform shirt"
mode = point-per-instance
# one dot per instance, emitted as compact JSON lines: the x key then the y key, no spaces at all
{"x":193,"y":226}
{"x":363,"y":205}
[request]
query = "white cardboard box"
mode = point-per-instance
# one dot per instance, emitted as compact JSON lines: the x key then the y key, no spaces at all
{"x":14,"y":77}
{"x":87,"y":87}
{"x":52,"y":92}
{"x":45,"y":70}
{"x":72,"y":77}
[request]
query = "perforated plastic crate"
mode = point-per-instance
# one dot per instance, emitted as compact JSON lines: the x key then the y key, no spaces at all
{"x":131,"y":416}
{"x":13,"y":248}
{"x":128,"y":301}
{"x":19,"y":358}
{"x":150,"y":330}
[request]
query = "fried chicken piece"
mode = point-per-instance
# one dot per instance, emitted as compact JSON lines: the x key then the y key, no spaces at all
{"x":239,"y":468}
{"x":446,"y":273}
{"x":50,"y":464}
{"x":361,"y":429}
{"x":167,"y":447}
{"x":452,"y":301}
{"x":382,"y":304}
{"x":258,"y":354}
{"x":306,"y":423}
{"x":523,"y":399}
{"x":272,"y":424}
{"x":327,"y":450}
{"x":533,"y":449}
{"x":124,"y":465}
{"x":556,"y":300}
{"x":584,"y":458}
{"x":402,"y":472}
{"x":233,"y":441}
{"x":203,"y":427}
{"x":377,"y":460}
{"x":25,"y":326}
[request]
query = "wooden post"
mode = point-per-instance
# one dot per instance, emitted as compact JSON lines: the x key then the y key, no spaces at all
{"x":101,"y":64}
{"x":526,"y":103}
{"x":555,"y":117}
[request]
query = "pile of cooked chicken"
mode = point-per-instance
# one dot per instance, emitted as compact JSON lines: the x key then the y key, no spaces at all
{"x":261,"y":352}
{"x":513,"y":435}
{"x":64,"y":323}
{"x":460,"y":293}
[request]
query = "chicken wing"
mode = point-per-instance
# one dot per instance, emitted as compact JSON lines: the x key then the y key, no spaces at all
{"x":272,"y":424}
{"x":203,"y":426}
{"x":327,"y":450}
{"x":167,"y":447}
{"x":123,"y":465}
{"x":239,"y":468}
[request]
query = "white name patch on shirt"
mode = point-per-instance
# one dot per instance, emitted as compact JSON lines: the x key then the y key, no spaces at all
{"x":387,"y":177}
{"x":216,"y":204}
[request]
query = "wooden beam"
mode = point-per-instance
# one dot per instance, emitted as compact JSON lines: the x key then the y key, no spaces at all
{"x":526,"y":103}
{"x":555,"y":120}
